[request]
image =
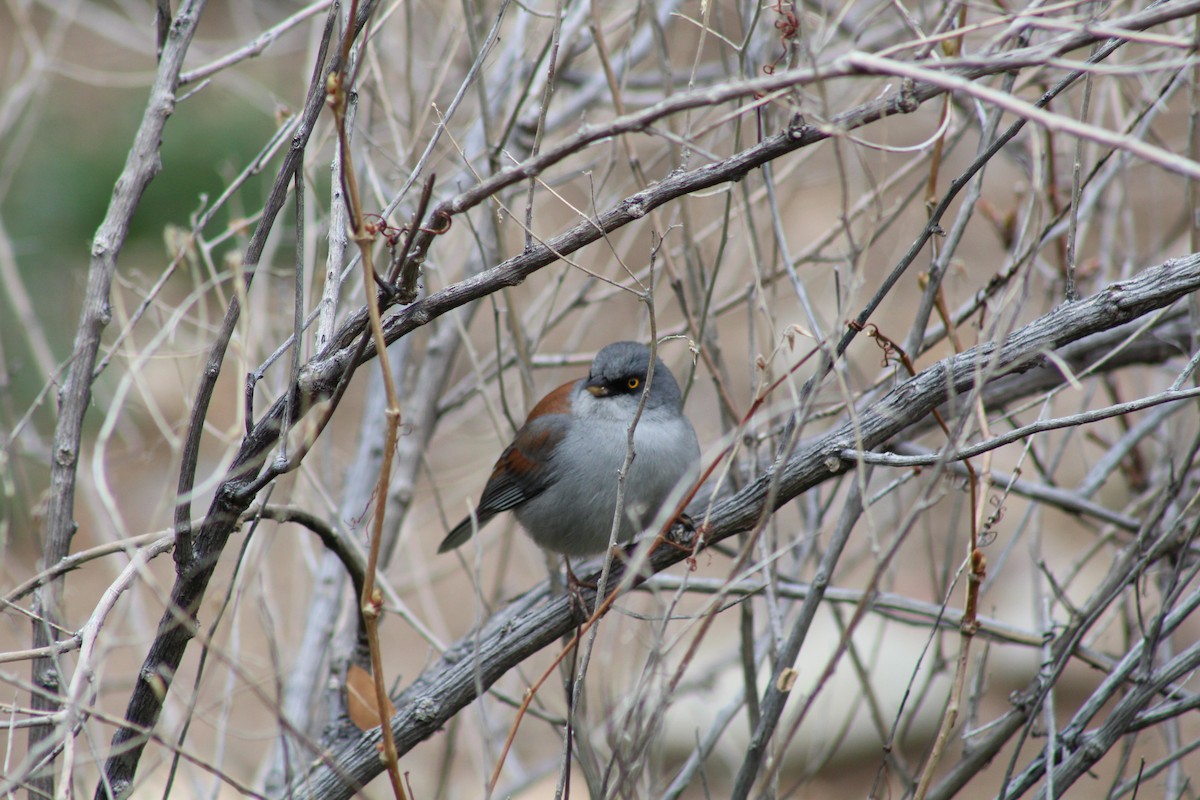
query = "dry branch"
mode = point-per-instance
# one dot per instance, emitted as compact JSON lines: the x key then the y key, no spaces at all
{"x":141,"y":166}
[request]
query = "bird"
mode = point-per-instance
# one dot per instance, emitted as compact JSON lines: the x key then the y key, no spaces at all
{"x":559,"y":476}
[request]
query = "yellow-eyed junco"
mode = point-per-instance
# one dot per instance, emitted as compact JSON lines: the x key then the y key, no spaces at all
{"x":559,"y":475}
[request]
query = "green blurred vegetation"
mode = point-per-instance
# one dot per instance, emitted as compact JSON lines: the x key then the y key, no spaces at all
{"x":63,"y":185}
{"x":65,"y":181}
{"x":58,"y":198}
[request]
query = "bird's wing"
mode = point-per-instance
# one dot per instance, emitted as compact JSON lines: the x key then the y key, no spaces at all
{"x":524,"y":469}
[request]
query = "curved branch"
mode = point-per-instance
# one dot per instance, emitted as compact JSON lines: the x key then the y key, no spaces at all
{"x":196,"y":557}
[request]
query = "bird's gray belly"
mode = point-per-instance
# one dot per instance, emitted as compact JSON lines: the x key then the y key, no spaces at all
{"x":575,"y":515}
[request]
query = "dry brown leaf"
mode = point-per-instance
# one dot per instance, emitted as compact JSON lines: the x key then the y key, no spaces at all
{"x":360,"y":699}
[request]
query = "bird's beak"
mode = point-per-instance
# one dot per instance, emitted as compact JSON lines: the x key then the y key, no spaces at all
{"x":597,"y":389}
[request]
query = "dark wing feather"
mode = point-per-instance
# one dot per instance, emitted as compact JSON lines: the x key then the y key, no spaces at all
{"x":522,"y":472}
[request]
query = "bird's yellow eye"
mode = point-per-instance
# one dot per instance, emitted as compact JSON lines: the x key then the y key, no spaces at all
{"x":633,"y":383}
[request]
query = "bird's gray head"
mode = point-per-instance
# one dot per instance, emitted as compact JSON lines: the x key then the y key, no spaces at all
{"x":620,"y":369}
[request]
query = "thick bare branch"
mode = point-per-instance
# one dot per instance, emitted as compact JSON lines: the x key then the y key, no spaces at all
{"x":142,"y":164}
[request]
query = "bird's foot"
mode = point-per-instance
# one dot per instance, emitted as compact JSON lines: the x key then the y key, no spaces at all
{"x":682,"y":533}
{"x":575,"y":592}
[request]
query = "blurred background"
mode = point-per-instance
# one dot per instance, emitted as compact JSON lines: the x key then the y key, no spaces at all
{"x":744,"y":283}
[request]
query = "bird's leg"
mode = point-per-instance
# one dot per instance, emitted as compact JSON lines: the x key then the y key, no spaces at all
{"x":575,"y":588}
